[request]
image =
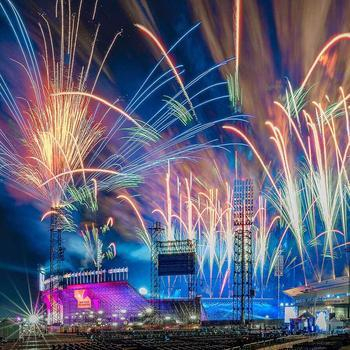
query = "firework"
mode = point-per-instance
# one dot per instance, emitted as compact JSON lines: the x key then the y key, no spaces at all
{"x":57,"y":133}
{"x":62,"y":135}
{"x":308,"y":193}
{"x":194,"y":210}
{"x":311,"y":188}
{"x":94,"y":245}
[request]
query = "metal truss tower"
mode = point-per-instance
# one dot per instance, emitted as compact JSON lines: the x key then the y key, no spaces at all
{"x":56,"y":261}
{"x":279,"y":271}
{"x":169,"y":259}
{"x":243,"y":292}
{"x":156,"y":231}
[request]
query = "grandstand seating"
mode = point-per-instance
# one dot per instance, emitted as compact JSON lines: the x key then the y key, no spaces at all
{"x":111,"y":297}
{"x":211,"y":338}
{"x":334,"y":342}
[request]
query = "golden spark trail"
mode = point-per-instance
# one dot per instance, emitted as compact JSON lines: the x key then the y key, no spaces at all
{"x":168,"y":59}
{"x":99,"y":99}
{"x":328,"y":45}
{"x":77,"y":171}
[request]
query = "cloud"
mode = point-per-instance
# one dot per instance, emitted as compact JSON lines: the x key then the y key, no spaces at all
{"x":135,"y":252}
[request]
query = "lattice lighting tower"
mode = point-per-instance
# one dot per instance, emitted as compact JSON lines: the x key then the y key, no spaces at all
{"x":156,"y":231}
{"x":169,"y":259}
{"x":279,"y":271}
{"x":56,"y":261}
{"x":243,"y":292}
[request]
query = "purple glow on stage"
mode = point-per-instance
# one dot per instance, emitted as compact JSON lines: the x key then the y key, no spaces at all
{"x":96,"y":303}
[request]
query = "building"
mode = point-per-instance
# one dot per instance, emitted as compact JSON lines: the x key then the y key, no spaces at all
{"x":326,"y":300}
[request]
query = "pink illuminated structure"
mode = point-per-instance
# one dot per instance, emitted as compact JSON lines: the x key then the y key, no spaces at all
{"x":96,"y":298}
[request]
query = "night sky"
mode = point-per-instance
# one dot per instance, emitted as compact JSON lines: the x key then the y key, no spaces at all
{"x":280,"y":39}
{"x":25,"y":239}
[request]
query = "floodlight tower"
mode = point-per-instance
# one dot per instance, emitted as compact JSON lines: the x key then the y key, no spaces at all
{"x":279,"y":271}
{"x":156,"y":230}
{"x":56,"y":261}
{"x":243,"y":255}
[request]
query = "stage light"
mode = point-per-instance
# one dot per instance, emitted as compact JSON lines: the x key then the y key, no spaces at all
{"x":143,"y":291}
{"x":33,"y":319}
{"x":281,"y":304}
{"x":149,"y":310}
{"x":193,"y":317}
{"x":267,"y":316}
{"x":167,"y":318}
{"x":100,"y":312}
{"x":123,"y":311}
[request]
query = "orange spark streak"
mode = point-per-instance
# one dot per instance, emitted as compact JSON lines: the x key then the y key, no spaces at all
{"x":135,"y":209}
{"x":168,"y":59}
{"x":238,"y":17}
{"x":53,"y":212}
{"x":329,"y":44}
{"x":99,"y":99}
{"x":110,"y":222}
{"x":89,"y":170}
{"x":245,"y":138}
{"x":48,"y":213}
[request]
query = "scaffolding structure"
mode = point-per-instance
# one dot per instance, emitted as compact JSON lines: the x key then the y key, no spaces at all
{"x":56,"y":261}
{"x":243,"y":291}
{"x":156,"y":231}
{"x":184,"y":253}
{"x":279,"y":271}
